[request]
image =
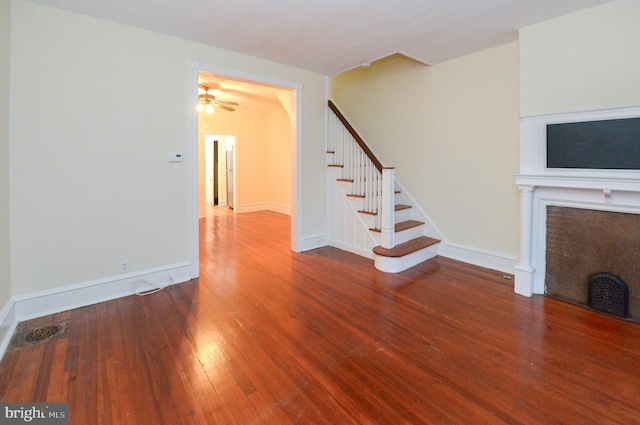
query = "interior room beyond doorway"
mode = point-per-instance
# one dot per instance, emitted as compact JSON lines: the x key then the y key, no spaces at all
{"x":251,"y":167}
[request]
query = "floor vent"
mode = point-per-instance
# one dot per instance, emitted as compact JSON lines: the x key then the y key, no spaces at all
{"x":27,"y":336}
{"x":609,"y":294}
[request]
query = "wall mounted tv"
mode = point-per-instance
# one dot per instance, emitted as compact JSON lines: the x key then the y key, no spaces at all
{"x":603,"y":145}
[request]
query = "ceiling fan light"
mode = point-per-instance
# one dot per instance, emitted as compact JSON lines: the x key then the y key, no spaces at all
{"x":209,"y":108}
{"x":200,"y":107}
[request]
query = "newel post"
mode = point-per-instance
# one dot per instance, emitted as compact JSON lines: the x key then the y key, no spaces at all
{"x":387,"y":225}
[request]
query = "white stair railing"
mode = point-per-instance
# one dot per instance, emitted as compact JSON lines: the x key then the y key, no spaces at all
{"x":371,"y":181}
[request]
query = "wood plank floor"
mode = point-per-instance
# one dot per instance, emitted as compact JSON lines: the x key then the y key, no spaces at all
{"x":267,"y":336}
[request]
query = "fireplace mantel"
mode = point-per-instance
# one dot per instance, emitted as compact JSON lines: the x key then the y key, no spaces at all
{"x":606,"y":190}
{"x":629,"y":184}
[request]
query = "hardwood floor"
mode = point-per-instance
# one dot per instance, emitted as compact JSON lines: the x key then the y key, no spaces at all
{"x":267,"y":336}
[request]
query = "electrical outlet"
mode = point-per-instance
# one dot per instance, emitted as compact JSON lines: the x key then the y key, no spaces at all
{"x":124,"y":266}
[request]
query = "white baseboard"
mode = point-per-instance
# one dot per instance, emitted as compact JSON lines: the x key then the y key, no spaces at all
{"x":282,"y":209}
{"x":42,"y":303}
{"x":354,"y":249}
{"x":489,"y":260}
{"x":8,"y":323}
{"x":314,"y":242}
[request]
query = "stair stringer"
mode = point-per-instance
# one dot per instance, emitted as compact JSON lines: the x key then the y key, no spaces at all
{"x":347,"y":230}
{"x":417,"y":213}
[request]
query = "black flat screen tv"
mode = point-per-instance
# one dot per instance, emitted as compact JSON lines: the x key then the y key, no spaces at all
{"x":599,"y":145}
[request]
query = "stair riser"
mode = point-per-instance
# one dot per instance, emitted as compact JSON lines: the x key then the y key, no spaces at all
{"x":400,"y":237}
{"x":398,"y":264}
{"x":356,"y":202}
{"x":336,"y":172}
{"x":402,"y":215}
{"x":401,"y":198}
{"x":369,"y":220}
{"x":408,"y":234}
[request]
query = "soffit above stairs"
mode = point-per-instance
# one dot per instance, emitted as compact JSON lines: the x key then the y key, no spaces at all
{"x":332,"y":36}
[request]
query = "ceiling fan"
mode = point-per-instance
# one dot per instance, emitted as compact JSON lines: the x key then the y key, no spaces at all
{"x":207,"y":102}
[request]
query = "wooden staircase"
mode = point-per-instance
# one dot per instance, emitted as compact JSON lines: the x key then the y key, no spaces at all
{"x":358,"y":177}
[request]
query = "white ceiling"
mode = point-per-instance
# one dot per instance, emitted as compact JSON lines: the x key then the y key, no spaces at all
{"x":332,"y":36}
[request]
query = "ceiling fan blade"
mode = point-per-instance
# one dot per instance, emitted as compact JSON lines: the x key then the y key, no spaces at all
{"x":225,"y":107}
{"x":224,"y":102}
{"x":206,"y":96}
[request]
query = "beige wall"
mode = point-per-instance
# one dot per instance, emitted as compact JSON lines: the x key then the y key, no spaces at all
{"x":97,"y":109}
{"x":279,"y":158}
{"x":451,"y":132}
{"x":5,"y":275}
{"x":263,"y":146}
{"x":583,"y":61}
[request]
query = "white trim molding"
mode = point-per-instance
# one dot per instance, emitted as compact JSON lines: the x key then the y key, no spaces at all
{"x":314,"y":242}
{"x":52,"y":301}
{"x":487,"y":259}
{"x":8,"y":324}
{"x":269,"y":206}
{"x":540,"y":187}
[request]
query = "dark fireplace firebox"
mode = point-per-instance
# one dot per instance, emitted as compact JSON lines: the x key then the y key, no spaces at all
{"x":593,"y":258}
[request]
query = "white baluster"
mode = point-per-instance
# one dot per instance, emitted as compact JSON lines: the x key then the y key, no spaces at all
{"x":378,"y":199}
{"x":356,"y":176}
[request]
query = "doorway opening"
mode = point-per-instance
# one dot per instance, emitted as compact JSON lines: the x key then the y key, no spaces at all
{"x":219,"y":177}
{"x":265,"y":132}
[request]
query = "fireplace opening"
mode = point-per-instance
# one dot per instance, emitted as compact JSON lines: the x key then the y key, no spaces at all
{"x":581,"y":245}
{"x":609,"y":294}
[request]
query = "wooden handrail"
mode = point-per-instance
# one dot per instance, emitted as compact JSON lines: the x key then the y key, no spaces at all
{"x":355,"y":135}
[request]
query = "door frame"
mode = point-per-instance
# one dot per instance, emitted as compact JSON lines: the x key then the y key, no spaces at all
{"x":192,"y":157}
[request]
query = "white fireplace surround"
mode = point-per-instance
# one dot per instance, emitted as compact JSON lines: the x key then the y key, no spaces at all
{"x":605,"y":190}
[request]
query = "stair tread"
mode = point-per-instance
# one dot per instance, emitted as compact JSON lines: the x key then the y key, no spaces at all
{"x":408,"y":224}
{"x":403,"y":225}
{"x":398,"y":207}
{"x":406,"y":248}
